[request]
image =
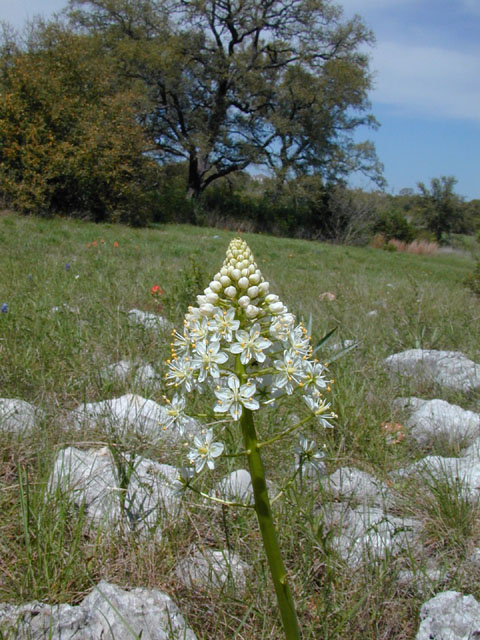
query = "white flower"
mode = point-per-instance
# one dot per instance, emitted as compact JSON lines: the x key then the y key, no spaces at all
{"x":232,"y":398}
{"x":181,"y":372}
{"x":281,"y":326}
{"x":176,"y":416}
{"x":182,"y":481}
{"x":205,"y":451}
{"x":225,"y":324}
{"x":299,"y":340}
{"x":208,"y":358}
{"x":198,"y":328}
{"x":314,"y":376}
{"x":180,"y":344}
{"x":320,"y":409}
{"x":250,"y":344}
{"x":291,"y":371}
{"x":308,"y":452}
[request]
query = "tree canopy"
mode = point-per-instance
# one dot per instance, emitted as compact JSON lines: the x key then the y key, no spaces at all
{"x":69,"y":139}
{"x":234,"y":83}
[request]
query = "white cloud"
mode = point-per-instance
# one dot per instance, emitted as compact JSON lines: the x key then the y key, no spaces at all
{"x":427,"y":79}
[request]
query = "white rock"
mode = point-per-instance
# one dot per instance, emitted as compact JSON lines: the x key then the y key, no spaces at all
{"x":92,"y":479}
{"x":351,"y":483}
{"x":439,"y":419}
{"x":149,"y":320}
{"x":235,"y":487}
{"x":108,"y":612}
{"x":142,"y":376}
{"x":450,"y":369}
{"x":449,"y":616}
{"x":18,"y":416}
{"x":408,"y":404}
{"x":206,"y":569}
{"x":366,"y":534}
{"x":463,"y":472}
{"x":132,"y":413}
{"x":424,"y":580}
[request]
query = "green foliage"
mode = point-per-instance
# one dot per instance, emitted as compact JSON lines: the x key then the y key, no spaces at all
{"x":234,"y":84}
{"x":472,"y":281}
{"x":440,"y":207}
{"x":54,"y":360}
{"x":393,"y":224}
{"x":69,"y":140}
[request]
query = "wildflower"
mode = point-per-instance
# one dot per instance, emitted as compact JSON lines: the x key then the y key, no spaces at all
{"x":291,"y":371}
{"x":250,"y":345}
{"x":67,"y":266}
{"x":205,"y":451}
{"x":208,"y":357}
{"x":314,"y":376}
{"x":308,"y":452}
{"x":320,"y":409}
{"x":234,"y":396}
{"x":180,"y":372}
{"x":226,"y":323}
{"x":156,"y":290}
{"x":4,"y":308}
{"x":94,"y":243}
{"x":115,"y":245}
{"x":182,"y":481}
{"x":175,"y":411}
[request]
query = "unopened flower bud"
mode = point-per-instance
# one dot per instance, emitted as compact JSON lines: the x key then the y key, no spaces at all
{"x":201,"y":300}
{"x":263,"y":288}
{"x":252,"y":292}
{"x":244,"y":301}
{"x":236,"y":274}
{"x":272,"y":297}
{"x":230,"y":292}
{"x":212,"y":298}
{"x":207,"y":309}
{"x":243,"y":283}
{"x":254,"y":278}
{"x":216,"y":286}
{"x":276,"y":307}
{"x":225,"y":281}
{"x":251,"y":311}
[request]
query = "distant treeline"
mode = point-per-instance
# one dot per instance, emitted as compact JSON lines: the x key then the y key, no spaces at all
{"x":125,"y":113}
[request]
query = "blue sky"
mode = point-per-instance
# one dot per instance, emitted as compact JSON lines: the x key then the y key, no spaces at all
{"x":426,"y":65}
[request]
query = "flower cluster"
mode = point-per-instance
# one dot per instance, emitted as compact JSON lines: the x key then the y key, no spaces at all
{"x":242,"y":340}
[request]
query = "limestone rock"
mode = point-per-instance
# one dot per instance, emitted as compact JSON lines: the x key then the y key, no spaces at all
{"x":206,"y":569}
{"x":408,"y":404}
{"x":449,"y":616}
{"x":132,"y":413}
{"x":449,"y":369}
{"x":18,"y":416}
{"x":149,"y":320}
{"x":351,"y":483}
{"x":236,"y":487}
{"x":366,"y":534}
{"x":108,"y":612}
{"x":437,"y":418}
{"x":143,"y":376}
{"x":463,"y":472}
{"x":91,"y":478}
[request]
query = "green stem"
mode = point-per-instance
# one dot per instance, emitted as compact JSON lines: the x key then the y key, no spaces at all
{"x":267,"y":528}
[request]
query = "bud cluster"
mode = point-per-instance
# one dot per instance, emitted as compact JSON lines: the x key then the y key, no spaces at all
{"x":240,"y":283}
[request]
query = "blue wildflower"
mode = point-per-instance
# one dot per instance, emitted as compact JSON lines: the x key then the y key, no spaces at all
{"x":4,"y":308}
{"x":67,"y":266}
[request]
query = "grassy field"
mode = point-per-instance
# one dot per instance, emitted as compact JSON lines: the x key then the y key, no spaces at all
{"x":93,"y":274}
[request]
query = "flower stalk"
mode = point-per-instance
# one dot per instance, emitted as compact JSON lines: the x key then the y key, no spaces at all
{"x":267,"y":528}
